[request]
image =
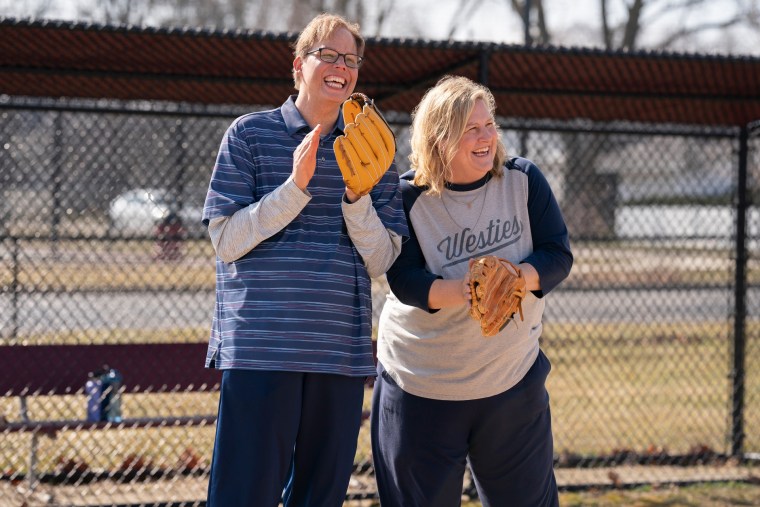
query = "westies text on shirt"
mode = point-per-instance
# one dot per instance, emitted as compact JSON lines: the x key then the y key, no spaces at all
{"x":497,"y":234}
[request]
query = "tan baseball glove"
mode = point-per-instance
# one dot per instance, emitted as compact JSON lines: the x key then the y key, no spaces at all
{"x":366,"y":148}
{"x":497,"y":288}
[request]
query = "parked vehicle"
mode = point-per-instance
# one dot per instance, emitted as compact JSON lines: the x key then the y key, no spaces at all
{"x":141,"y":211}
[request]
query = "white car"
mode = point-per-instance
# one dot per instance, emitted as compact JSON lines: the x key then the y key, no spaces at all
{"x":137,"y":212}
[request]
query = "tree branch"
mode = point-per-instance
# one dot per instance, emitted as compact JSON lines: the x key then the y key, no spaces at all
{"x":686,"y":32}
{"x":543,"y":29}
{"x":606,"y":33}
{"x":633,"y":25}
{"x":467,"y":8}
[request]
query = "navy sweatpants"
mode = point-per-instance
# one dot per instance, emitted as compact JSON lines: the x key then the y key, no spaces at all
{"x":421,"y":446}
{"x":284,"y":435}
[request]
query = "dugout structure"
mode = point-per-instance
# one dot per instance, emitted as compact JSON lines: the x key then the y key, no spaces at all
{"x":654,"y":338}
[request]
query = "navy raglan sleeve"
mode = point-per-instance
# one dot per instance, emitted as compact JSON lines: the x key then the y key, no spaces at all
{"x":408,"y":278}
{"x":551,"y":254}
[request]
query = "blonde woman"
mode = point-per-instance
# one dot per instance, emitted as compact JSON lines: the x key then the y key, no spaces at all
{"x":446,"y":396}
{"x":295,"y":253}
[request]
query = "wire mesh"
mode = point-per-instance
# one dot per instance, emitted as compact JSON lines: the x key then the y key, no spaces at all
{"x":101,"y":244}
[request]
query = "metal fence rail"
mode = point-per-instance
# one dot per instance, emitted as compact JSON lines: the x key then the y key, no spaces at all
{"x":654,"y":338}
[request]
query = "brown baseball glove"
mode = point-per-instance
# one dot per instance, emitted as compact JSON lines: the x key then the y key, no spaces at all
{"x":366,"y":148}
{"x":497,"y":287}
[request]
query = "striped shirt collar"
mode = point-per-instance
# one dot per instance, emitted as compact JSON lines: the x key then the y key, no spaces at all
{"x":295,"y":123}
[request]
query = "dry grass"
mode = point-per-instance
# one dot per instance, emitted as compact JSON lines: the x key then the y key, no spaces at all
{"x":698,"y":495}
{"x":661,"y":387}
{"x":655,"y":386}
{"x":645,"y":388}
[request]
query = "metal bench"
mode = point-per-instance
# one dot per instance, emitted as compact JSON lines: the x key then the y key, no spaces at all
{"x":26,"y":371}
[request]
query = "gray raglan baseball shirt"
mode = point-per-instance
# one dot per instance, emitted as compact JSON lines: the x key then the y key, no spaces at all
{"x":442,"y":354}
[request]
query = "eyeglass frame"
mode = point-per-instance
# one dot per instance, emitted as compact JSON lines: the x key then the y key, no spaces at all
{"x":344,"y":55}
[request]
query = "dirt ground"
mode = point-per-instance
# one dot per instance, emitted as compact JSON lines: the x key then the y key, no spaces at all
{"x":614,"y":486}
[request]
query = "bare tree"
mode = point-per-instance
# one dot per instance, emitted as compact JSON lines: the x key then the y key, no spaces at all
{"x":222,"y":14}
{"x":590,"y":190}
{"x":27,"y":8}
{"x":623,"y":23}
{"x":115,"y":11}
{"x":268,"y":15}
{"x":746,"y":14}
{"x":384,"y":9}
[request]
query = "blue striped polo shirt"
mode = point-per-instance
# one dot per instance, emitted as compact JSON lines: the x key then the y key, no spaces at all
{"x":300,"y":300}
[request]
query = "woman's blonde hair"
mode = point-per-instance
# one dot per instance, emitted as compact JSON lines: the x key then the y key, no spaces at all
{"x":321,"y":28}
{"x":438,"y":123}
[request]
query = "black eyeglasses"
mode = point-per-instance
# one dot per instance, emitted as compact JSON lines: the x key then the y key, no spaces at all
{"x":331,"y":56}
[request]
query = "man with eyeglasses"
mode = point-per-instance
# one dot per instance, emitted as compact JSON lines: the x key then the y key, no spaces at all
{"x":296,"y":250}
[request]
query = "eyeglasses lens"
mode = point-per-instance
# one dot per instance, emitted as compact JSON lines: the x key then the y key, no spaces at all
{"x":331,"y":56}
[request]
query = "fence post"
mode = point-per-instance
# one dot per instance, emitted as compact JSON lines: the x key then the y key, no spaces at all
{"x":31,"y":473}
{"x":740,"y":297}
{"x":15,"y":288}
{"x":57,"y":178}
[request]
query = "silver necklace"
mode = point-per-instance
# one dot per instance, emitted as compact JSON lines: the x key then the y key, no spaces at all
{"x":464,"y":203}
{"x":484,"y":193}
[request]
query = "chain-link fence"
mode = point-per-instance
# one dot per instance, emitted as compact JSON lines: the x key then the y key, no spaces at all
{"x":654,"y":338}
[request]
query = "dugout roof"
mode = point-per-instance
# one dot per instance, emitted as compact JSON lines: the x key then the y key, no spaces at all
{"x":72,"y":59}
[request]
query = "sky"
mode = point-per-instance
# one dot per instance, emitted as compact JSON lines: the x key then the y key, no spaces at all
{"x":572,"y":22}
{"x":576,"y":22}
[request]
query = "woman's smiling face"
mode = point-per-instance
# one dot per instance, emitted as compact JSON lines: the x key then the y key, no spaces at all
{"x":477,"y":147}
